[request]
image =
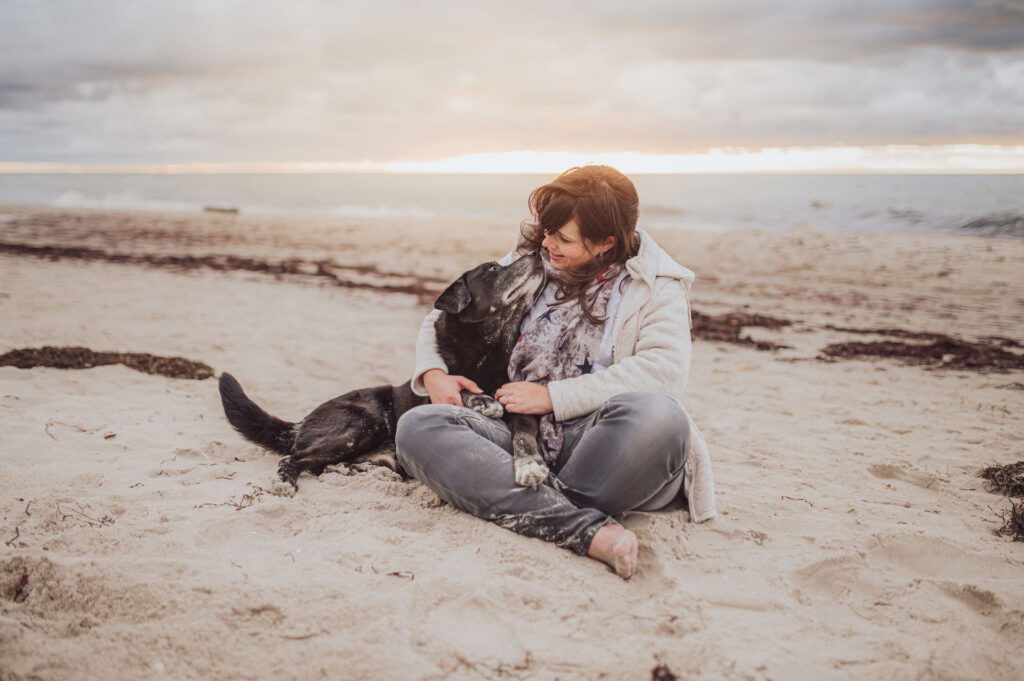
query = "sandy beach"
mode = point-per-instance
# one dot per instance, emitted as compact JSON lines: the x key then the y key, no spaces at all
{"x":855,"y":538}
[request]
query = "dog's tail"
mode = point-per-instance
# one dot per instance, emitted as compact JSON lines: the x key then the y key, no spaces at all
{"x":252,"y":422}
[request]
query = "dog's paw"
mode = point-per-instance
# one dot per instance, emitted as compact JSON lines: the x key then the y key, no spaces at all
{"x":492,"y":409}
{"x":280,"y":488}
{"x":288,"y":474}
{"x":483,"y":404}
{"x":530,"y":472}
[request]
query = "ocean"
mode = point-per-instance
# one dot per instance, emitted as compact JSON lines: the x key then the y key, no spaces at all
{"x":987,"y":205}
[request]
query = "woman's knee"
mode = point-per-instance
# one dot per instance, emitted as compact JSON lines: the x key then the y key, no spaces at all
{"x":643,"y":447}
{"x":412,"y":423}
{"x":658,"y":419}
{"x":414,"y":427}
{"x":417,"y":418}
{"x":429,"y":428}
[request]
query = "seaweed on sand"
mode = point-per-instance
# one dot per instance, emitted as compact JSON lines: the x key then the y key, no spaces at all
{"x":1009,"y":480}
{"x":84,"y":358}
{"x":726,"y":328}
{"x":1013,"y":521}
{"x":425,"y":287}
{"x":943,"y":352}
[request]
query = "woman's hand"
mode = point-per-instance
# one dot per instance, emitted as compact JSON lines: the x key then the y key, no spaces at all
{"x":445,"y":389}
{"x":523,"y":397}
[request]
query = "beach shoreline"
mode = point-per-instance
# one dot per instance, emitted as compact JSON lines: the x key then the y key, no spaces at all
{"x":855,"y":538}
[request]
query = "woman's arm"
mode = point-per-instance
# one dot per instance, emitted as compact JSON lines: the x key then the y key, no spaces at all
{"x":431,"y":378}
{"x":427,"y":356}
{"x":660,"y":363}
{"x":428,"y":359}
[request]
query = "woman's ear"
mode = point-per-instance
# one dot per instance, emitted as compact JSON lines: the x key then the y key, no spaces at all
{"x":608,"y":244}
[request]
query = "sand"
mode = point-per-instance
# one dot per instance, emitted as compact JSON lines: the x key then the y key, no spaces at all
{"x":140,"y":538}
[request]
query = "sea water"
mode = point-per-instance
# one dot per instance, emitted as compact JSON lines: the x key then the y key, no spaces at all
{"x":990,"y":205}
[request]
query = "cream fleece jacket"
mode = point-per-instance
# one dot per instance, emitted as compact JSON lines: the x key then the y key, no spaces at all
{"x":651,"y":354}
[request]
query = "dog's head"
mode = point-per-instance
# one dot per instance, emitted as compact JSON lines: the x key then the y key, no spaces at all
{"x":492,"y":293}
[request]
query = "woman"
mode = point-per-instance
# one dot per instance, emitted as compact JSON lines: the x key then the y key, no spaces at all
{"x":603,"y":355}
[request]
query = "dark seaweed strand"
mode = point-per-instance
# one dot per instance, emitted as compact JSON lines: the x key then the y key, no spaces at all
{"x":1008,"y":479}
{"x":84,"y":358}
{"x":944,"y":352}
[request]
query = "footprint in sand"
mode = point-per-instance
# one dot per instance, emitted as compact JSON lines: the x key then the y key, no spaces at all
{"x":932,"y":557}
{"x":77,"y":596}
{"x":185,"y":460}
{"x":253,"y":617}
{"x":830,"y":579}
{"x":87,"y":480}
{"x":982,"y":601}
{"x":947,"y":569}
{"x":887,"y":471}
{"x":473,"y":629}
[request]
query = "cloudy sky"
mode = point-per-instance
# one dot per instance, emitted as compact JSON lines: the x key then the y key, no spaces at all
{"x":164,"y":82}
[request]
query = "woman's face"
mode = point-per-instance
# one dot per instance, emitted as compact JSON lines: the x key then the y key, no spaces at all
{"x":567,"y":248}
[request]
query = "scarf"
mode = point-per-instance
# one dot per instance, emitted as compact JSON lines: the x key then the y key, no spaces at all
{"x":560,"y":344}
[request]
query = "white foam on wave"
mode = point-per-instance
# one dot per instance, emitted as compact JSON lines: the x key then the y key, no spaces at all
{"x":660,"y":209}
{"x":382,"y":211}
{"x":73,"y":198}
{"x":7,"y":217}
{"x":685,"y":225}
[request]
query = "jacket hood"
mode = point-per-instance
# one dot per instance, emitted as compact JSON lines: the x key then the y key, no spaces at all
{"x":651,"y":261}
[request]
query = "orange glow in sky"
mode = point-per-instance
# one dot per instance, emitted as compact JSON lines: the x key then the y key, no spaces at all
{"x":955,"y":158}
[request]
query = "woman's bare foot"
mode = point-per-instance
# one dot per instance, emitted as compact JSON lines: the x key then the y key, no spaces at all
{"x":617,"y":547}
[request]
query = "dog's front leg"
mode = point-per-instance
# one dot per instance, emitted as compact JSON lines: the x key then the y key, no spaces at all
{"x":529,"y":464}
{"x":483,"y":404}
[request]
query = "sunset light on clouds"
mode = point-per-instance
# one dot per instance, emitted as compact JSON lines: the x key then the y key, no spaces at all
{"x":904,"y":85}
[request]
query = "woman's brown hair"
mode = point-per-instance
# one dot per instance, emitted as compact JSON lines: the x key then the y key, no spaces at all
{"x":603,"y":202}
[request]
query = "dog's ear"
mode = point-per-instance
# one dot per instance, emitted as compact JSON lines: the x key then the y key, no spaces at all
{"x":455,"y":298}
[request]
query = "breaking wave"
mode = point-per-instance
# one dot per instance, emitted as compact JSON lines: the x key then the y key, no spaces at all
{"x":119,"y":201}
{"x":996,"y":224}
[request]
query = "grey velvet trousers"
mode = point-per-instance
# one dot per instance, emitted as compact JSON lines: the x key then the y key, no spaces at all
{"x":627,"y":455}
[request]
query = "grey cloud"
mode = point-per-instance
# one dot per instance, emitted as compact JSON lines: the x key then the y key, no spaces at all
{"x":812,"y":29}
{"x":263,"y":81}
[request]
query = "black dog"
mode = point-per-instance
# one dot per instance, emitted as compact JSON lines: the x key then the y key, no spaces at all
{"x":478,"y":326}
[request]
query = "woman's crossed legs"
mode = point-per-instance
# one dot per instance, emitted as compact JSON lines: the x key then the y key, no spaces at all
{"x":627,"y":455}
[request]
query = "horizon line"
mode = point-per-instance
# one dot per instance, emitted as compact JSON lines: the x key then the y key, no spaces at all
{"x":879,"y":159}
